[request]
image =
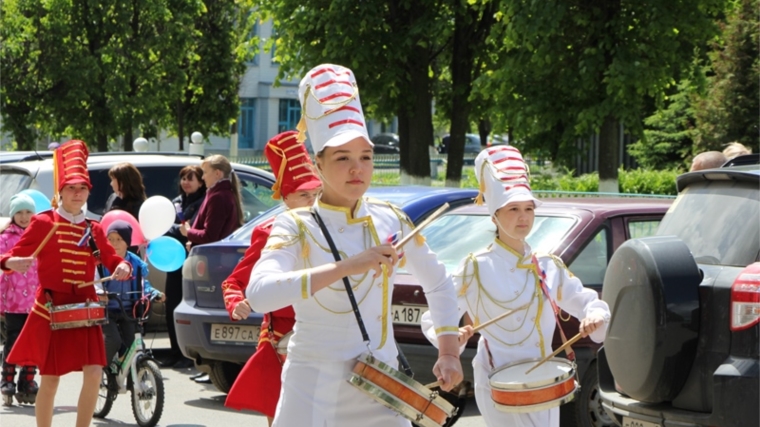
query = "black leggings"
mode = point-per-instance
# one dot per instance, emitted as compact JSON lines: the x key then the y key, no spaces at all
{"x":14,"y":322}
{"x":173,"y":293}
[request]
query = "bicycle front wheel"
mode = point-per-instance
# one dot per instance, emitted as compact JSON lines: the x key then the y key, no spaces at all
{"x":106,"y":394}
{"x":148,"y":394}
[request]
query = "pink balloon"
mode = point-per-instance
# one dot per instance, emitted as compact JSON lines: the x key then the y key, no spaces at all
{"x":111,"y":216}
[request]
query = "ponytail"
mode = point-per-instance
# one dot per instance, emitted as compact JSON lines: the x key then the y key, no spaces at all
{"x":235,"y":184}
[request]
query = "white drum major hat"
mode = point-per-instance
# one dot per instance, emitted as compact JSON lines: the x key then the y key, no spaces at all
{"x":330,"y":107}
{"x":503,"y":177}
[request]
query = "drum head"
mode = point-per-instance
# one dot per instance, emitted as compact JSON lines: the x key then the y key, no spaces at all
{"x":513,"y":377}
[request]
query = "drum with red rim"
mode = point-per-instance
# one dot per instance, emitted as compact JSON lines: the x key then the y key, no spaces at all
{"x":551,"y":384}
{"x":78,"y":315}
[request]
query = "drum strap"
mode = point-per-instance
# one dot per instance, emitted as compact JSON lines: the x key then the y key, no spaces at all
{"x":349,"y":291}
{"x":542,"y":279}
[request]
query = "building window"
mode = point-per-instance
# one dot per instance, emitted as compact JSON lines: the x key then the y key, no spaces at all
{"x":290,"y":114}
{"x":253,"y":37}
{"x":246,"y":123}
{"x":274,"y":38}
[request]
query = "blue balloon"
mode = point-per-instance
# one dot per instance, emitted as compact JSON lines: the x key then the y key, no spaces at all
{"x":166,"y":253}
{"x":41,"y":202}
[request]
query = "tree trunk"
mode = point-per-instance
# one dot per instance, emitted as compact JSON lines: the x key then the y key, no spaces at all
{"x":181,"y":125}
{"x":484,"y":129}
{"x":415,"y":157}
{"x":129,"y":139}
{"x":609,"y":155}
{"x":102,"y":142}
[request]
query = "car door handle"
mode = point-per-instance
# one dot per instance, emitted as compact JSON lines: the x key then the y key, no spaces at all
{"x":206,"y":288}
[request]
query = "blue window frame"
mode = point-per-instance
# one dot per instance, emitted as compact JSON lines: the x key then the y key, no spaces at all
{"x":290,"y":114}
{"x":247,"y":123}
{"x":255,"y":46}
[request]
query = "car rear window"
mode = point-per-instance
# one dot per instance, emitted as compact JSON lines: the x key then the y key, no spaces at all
{"x":453,"y":237}
{"x":718,"y":222}
{"x":11,"y":182}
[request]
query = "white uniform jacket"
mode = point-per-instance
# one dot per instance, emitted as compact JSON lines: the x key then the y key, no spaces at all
{"x":326,"y":328}
{"x":498,"y":279}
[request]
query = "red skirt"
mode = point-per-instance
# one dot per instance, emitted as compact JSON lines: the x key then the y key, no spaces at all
{"x":258,"y":386}
{"x":57,"y":352}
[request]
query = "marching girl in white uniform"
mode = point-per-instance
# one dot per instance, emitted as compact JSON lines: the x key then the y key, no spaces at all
{"x":507,"y":276}
{"x":298,"y":268}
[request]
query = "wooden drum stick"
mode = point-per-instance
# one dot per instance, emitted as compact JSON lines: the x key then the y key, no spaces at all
{"x":483,"y":325}
{"x":44,"y":242}
{"x":95,"y":282}
{"x":422,"y":225}
{"x":569,"y":342}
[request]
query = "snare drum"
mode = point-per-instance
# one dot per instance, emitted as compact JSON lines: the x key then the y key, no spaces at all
{"x":551,"y":384}
{"x":78,"y":315}
{"x":282,"y":347}
{"x":400,"y":392}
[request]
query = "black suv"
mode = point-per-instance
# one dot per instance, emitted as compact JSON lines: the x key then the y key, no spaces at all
{"x":683,"y":343}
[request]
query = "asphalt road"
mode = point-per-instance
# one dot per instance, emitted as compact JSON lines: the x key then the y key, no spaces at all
{"x":188,"y":404}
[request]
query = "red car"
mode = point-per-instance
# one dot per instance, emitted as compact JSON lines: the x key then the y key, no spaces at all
{"x":584,"y":232}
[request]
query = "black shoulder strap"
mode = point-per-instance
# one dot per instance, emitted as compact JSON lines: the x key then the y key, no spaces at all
{"x":349,"y":291}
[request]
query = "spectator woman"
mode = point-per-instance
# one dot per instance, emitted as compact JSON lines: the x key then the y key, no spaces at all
{"x":128,"y":189}
{"x":192,"y":192}
{"x":222,"y":210}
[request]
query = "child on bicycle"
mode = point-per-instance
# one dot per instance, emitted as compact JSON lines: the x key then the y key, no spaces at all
{"x":16,"y":300}
{"x":119,"y":333}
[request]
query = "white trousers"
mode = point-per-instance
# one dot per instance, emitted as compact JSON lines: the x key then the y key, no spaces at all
{"x":496,"y":418}
{"x":319,"y":395}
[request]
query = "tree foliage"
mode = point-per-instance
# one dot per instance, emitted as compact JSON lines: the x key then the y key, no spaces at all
{"x":730,"y":110}
{"x":570,"y":68}
{"x":102,"y":69}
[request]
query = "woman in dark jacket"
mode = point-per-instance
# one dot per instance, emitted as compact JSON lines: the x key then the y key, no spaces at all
{"x":192,"y":192}
{"x":222,"y":211}
{"x":128,"y":189}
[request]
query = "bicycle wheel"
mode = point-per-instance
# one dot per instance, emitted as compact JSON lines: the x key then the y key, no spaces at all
{"x":106,"y":394}
{"x":148,"y":404}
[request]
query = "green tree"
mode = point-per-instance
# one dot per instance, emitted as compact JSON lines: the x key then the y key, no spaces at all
{"x":570,"y":68}
{"x":390,"y":45}
{"x":730,"y":109}
{"x":669,"y":133}
{"x":211,"y":69}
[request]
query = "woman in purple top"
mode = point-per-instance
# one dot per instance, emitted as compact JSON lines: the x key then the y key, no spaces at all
{"x":221,"y":212}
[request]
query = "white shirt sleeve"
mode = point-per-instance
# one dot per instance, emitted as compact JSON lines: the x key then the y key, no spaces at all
{"x":427,"y":323}
{"x":437,"y":284}
{"x":275,"y":280}
{"x":581,"y":302}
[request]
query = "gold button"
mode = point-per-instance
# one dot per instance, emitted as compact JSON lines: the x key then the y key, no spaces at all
{"x":380,"y":317}
{"x":519,"y":318}
{"x":537,"y":344}
{"x":340,"y":230}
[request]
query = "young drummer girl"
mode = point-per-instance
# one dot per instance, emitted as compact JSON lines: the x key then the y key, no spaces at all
{"x":65,"y":260}
{"x":16,"y":300}
{"x":507,"y":276}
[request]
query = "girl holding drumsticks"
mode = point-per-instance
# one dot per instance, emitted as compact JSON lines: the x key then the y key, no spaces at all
{"x":298,"y":268}
{"x":67,"y":247}
{"x":508,"y":276}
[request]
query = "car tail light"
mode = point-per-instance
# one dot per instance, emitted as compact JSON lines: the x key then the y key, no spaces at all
{"x":745,"y":298}
{"x":195,"y":267}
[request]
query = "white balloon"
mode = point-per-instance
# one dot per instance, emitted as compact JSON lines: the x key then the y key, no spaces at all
{"x":156,"y":216}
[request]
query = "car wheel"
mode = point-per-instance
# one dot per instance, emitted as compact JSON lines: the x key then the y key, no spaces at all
{"x":588,"y":406}
{"x":223,"y":375}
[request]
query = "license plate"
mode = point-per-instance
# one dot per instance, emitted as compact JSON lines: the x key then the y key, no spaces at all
{"x":629,"y":422}
{"x":407,"y":315}
{"x":235,"y":334}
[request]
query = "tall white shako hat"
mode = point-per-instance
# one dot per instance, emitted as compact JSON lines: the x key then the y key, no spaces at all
{"x":504,"y":178}
{"x":330,"y":107}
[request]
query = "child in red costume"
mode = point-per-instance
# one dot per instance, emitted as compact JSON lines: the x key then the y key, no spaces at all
{"x":298,"y":186}
{"x":66,"y":260}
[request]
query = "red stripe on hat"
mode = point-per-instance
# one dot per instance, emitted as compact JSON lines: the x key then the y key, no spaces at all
{"x":512,"y":178}
{"x":345,"y":107}
{"x":519,"y":159}
{"x":331,"y":82}
{"x":509,"y":187}
{"x":336,"y":95}
{"x":512,"y":168}
{"x":346,"y":122}
{"x":328,"y":70}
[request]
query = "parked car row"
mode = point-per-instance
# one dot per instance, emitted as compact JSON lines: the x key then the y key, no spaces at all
{"x":160,"y":172}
